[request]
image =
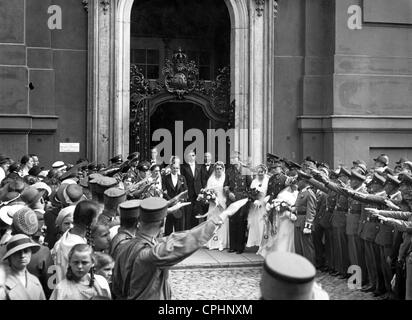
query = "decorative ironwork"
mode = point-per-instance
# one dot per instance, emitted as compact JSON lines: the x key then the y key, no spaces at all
{"x":140,"y":90}
{"x":180,"y":81}
{"x":231,"y":115}
{"x":105,"y":4}
{"x":86,"y":5}
{"x":180,"y":74}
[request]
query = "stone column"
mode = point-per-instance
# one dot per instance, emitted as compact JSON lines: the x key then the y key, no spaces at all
{"x":100,"y":79}
{"x":261,"y":81}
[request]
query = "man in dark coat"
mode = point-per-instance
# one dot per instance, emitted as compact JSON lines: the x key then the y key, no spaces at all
{"x":206,"y":168}
{"x":192,"y":173}
{"x":237,"y":184}
{"x":141,"y":269}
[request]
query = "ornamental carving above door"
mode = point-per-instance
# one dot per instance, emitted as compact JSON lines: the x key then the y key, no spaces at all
{"x":180,"y":82}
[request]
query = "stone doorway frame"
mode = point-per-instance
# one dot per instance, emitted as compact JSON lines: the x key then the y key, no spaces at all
{"x":252,"y":77}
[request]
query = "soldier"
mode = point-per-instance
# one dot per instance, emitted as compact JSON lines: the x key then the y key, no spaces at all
{"x":142,"y":266}
{"x":277,"y":182}
{"x":305,"y":210}
{"x":319,"y":231}
{"x":402,"y":221}
{"x":288,"y":276}
{"x":131,"y":175}
{"x":368,"y":229}
{"x":238,"y":180}
{"x":129,"y":220}
{"x":356,"y":247}
{"x":338,"y":221}
{"x":112,"y":198}
{"x":101,"y":186}
{"x":143,"y":174}
{"x":381,"y":163}
{"x":116,"y":160}
{"x":385,"y":237}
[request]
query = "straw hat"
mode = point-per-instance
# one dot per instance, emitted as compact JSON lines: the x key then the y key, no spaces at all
{"x":20,"y":242}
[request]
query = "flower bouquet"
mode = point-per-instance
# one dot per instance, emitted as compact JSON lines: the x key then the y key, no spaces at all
{"x":253,"y":194}
{"x":207,"y":195}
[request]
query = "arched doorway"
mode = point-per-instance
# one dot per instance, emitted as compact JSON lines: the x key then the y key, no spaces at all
{"x":252,"y":75}
{"x":178,"y":118}
{"x":182,"y":51}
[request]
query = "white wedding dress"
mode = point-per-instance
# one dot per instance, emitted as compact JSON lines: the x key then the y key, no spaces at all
{"x":279,"y":236}
{"x":256,"y":220}
{"x":220,"y":239}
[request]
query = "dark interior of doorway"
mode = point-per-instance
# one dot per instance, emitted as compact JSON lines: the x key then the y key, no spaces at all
{"x":168,"y":113}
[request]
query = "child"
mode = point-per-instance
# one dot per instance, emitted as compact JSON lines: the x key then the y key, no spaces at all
{"x":80,"y":282}
{"x":104,"y":266}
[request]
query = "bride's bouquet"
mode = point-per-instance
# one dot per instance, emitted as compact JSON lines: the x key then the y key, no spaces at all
{"x":206,"y":196}
{"x":278,"y":205}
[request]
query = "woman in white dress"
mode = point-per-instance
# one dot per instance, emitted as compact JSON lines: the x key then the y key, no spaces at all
{"x":255,"y":220}
{"x":220,"y":239}
{"x":279,"y":233}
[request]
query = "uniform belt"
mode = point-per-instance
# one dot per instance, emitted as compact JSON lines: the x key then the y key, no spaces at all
{"x":301,"y":213}
{"x":354,"y":211}
{"x":341,"y":209}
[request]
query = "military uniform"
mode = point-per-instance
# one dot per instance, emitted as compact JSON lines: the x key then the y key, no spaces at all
{"x":403,"y":221}
{"x":368,"y":230}
{"x":112,"y":198}
{"x":305,"y":210}
{"x":326,"y":222}
{"x":326,"y":201}
{"x":319,"y":231}
{"x":340,"y":243}
{"x":128,"y":210}
{"x":142,"y":267}
{"x":356,"y":245}
{"x":238,"y":183}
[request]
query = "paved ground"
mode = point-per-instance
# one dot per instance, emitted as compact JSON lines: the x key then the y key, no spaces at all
{"x":243,"y":284}
{"x":216,"y":259}
{"x":214,"y":275}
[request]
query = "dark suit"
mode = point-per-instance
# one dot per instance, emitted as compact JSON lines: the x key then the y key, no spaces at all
{"x":206,"y":173}
{"x":176,"y":219}
{"x":194,"y":185}
{"x":239,"y":184}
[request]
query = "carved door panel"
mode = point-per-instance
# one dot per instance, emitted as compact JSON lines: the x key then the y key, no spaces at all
{"x":140,"y":129}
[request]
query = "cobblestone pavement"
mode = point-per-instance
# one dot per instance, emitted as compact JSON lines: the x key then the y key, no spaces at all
{"x":243,"y":284}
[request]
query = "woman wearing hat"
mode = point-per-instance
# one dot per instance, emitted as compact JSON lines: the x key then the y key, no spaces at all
{"x":20,"y":283}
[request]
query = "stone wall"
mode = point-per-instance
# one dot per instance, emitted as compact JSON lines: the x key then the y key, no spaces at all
{"x":357,"y":84}
{"x":37,"y":120}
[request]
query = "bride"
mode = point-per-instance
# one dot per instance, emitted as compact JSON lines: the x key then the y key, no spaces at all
{"x":279,"y":233}
{"x":220,"y":239}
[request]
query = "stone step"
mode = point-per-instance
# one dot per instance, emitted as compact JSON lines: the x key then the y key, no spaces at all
{"x":205,"y":258}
